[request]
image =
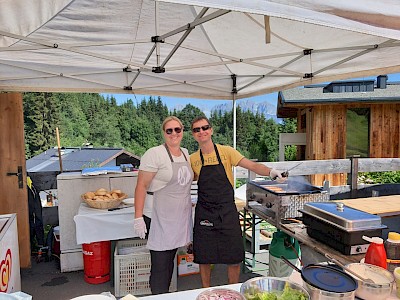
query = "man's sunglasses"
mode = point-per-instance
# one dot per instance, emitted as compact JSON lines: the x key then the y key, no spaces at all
{"x":204,"y":128}
{"x":170,"y":130}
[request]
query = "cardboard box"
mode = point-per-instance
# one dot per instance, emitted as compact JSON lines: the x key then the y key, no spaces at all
{"x":186,"y":266}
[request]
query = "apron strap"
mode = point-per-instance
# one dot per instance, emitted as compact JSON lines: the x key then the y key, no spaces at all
{"x":169,"y":153}
{"x":216,"y":152}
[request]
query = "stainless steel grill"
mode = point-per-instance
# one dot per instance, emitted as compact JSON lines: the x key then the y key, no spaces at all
{"x":275,"y":202}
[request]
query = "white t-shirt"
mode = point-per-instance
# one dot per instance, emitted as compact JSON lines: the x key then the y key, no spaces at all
{"x":157,"y":160}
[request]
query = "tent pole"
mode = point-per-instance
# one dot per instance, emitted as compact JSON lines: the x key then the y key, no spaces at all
{"x":156,"y":29}
{"x":234,"y":120}
{"x":234,"y":126}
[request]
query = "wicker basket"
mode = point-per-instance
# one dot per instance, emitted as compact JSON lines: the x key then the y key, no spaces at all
{"x":104,"y":204}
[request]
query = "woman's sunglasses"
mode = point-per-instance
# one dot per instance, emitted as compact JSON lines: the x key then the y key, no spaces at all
{"x":204,"y":128}
{"x":170,"y":130}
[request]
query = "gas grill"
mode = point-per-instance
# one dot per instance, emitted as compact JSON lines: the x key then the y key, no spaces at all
{"x":341,"y":227}
{"x":275,"y":202}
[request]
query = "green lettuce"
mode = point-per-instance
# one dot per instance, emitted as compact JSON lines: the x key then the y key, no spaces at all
{"x":287,"y":294}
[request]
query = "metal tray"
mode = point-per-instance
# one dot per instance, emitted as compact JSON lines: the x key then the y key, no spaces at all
{"x":344,"y":217}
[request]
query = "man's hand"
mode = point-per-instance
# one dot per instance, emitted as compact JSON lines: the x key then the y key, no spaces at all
{"x":274,"y":174}
{"x":140,"y":227}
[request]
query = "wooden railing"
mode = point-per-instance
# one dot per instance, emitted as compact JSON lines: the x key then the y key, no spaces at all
{"x":352,"y":166}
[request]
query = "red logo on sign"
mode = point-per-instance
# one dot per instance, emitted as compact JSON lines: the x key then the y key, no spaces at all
{"x":5,"y":271}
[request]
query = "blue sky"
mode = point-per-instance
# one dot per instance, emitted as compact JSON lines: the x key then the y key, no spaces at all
{"x":206,"y":105}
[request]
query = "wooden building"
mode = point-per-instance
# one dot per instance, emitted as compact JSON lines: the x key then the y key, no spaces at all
{"x":324,"y":113}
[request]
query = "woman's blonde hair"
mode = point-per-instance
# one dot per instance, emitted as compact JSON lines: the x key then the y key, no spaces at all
{"x":171,"y":118}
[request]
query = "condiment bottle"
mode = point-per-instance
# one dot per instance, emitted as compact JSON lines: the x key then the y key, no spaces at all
{"x":376,"y":253}
{"x":392,"y":247}
{"x":49,"y":198}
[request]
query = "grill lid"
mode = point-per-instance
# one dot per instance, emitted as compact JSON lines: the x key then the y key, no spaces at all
{"x":329,"y":279}
{"x":342,"y":216}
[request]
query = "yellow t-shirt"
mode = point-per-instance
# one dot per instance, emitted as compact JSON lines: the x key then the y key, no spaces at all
{"x":230,"y":157}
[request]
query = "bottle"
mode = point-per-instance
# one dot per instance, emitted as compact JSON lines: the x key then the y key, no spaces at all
{"x":376,"y":253}
{"x":49,"y":198}
{"x":392,"y":247}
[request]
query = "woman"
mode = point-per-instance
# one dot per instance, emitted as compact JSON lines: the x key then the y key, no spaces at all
{"x":165,"y":177}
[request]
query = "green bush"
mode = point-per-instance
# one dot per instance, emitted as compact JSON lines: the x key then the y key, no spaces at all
{"x":379,"y":177}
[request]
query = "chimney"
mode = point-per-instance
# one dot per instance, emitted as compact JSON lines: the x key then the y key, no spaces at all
{"x":87,"y":145}
{"x":381,"y":81}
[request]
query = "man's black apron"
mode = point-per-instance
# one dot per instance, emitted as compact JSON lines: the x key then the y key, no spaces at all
{"x":217,"y":233}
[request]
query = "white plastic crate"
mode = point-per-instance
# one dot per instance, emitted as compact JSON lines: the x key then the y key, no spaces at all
{"x":132,"y":271}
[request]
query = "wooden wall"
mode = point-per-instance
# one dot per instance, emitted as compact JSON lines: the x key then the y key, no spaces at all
{"x":326,"y":139}
{"x":325,"y":126}
{"x":385,"y":130}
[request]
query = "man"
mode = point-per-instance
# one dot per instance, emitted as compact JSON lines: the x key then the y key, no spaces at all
{"x":217,"y":234}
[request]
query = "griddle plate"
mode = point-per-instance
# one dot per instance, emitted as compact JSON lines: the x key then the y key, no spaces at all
{"x":291,"y":187}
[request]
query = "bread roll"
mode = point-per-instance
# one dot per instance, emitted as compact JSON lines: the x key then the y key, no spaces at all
{"x":101,"y":192}
{"x":89,"y":195}
{"x":116,"y":191}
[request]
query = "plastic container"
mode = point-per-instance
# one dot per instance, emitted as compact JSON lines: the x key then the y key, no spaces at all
{"x":56,"y":242}
{"x":132,"y":270}
{"x":383,"y":281}
{"x":286,"y":246}
{"x":96,"y":262}
{"x":392,"y":247}
{"x":376,"y":253}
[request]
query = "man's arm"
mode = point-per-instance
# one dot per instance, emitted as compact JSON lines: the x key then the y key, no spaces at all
{"x":257,"y":168}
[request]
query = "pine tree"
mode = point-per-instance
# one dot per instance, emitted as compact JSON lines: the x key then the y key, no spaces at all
{"x":42,"y":116}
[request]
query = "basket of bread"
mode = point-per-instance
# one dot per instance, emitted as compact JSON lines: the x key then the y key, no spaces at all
{"x":103,"y":198}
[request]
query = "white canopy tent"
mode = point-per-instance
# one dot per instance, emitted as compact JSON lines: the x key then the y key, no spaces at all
{"x":207,"y":49}
{"x":210,"y":49}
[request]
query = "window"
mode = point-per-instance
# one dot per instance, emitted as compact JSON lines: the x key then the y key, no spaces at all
{"x":357,"y":132}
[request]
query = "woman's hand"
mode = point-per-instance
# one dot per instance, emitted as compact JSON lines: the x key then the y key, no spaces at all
{"x":140,"y":227}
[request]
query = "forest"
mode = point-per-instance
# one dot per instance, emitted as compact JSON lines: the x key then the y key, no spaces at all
{"x":90,"y":118}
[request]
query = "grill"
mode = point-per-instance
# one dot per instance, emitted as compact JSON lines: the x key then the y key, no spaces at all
{"x":275,"y":202}
{"x":341,"y":227}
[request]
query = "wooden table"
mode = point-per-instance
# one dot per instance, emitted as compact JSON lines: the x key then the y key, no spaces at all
{"x":383,"y":206}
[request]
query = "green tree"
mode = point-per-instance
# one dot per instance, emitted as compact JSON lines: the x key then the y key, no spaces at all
{"x":74,"y":127}
{"x":187,"y":115}
{"x":41,"y":117}
{"x":289,"y":126}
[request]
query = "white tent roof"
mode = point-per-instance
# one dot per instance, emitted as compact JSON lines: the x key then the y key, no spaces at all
{"x":208,"y":48}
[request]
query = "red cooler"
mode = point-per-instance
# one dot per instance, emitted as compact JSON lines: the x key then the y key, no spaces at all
{"x":97,"y":261}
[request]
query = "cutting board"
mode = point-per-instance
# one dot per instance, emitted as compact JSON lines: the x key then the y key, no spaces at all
{"x":383,"y":206}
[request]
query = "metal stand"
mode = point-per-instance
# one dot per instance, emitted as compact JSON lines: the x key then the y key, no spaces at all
{"x":251,"y":221}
